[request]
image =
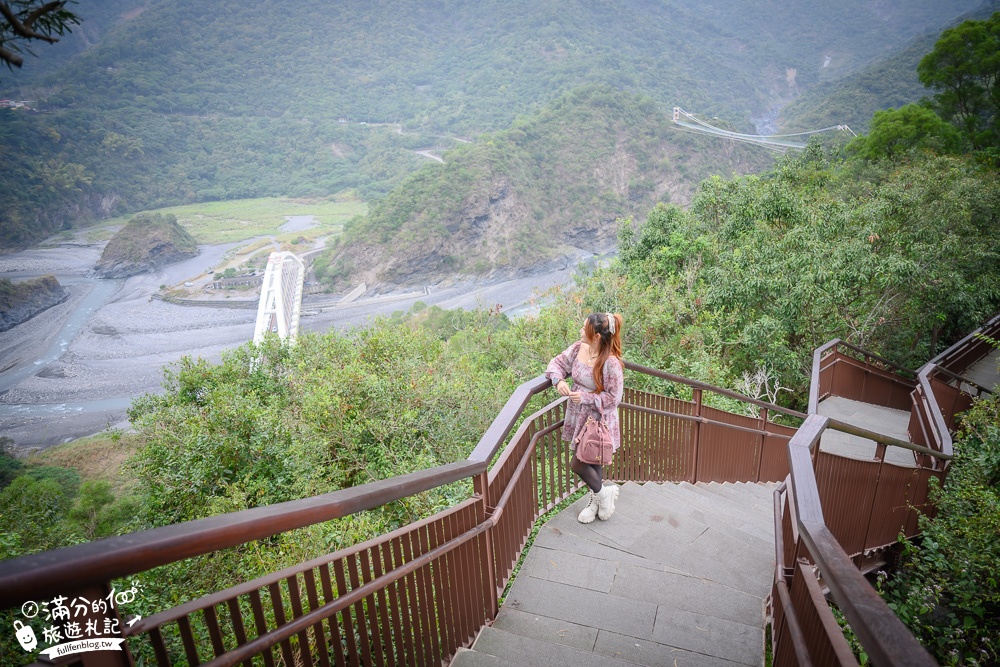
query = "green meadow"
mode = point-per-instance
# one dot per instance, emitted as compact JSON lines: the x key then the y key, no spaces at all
{"x":231,"y":221}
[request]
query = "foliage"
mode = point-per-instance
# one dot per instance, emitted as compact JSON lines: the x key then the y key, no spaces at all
{"x":912,"y":127}
{"x":947,"y":590}
{"x":31,"y":511}
{"x":764,"y":269}
{"x":10,"y":467}
{"x":23,"y":22}
{"x":964,"y":67}
{"x":557,"y":179}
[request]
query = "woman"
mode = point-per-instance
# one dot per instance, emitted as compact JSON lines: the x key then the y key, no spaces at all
{"x":594,"y":363}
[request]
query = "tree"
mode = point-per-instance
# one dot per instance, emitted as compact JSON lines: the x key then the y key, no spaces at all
{"x":25,"y":21}
{"x":897,"y":131}
{"x":964,"y":67}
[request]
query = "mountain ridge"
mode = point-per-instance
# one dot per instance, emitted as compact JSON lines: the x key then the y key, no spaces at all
{"x":550,"y":187}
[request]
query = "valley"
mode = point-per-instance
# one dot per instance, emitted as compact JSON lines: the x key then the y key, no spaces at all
{"x":74,"y":369}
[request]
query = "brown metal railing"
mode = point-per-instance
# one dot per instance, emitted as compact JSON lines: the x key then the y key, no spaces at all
{"x":942,"y":391}
{"x":815,"y":545}
{"x":820,"y":535}
{"x":963,"y":354}
{"x":412,"y":596}
{"x":870,"y":379}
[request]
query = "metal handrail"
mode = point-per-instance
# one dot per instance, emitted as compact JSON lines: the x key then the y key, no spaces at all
{"x":884,"y":637}
{"x":509,"y":491}
{"x":934,"y":368}
{"x":717,"y":390}
{"x":941,"y":435}
{"x":869,"y":355}
{"x":103,"y":560}
{"x":821,"y":351}
{"x":992,"y":323}
{"x":46,"y":574}
{"x":886,"y":439}
{"x":784,"y":597}
{"x":299,"y":624}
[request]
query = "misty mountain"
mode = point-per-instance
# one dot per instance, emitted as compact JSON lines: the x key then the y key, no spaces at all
{"x":155,"y":103}
{"x":888,"y":83}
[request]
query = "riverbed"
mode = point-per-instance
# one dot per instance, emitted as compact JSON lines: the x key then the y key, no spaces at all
{"x":74,"y":369}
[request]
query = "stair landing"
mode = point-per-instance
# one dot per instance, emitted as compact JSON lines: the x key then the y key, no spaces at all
{"x":884,"y":421}
{"x":678,"y":576}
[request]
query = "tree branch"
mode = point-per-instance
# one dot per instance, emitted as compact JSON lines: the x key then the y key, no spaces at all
{"x":25,"y":29}
{"x":10,"y":57}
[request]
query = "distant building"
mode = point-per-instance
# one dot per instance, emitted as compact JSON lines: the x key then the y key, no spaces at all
{"x":238,"y":281}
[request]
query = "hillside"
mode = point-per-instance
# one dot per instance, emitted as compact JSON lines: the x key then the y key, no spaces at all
{"x":177,"y":102}
{"x":21,"y":301}
{"x":551,"y":186}
{"x":144,"y":244}
{"x":888,"y":83}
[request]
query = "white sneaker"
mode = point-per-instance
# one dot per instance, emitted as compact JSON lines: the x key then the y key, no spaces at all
{"x":590,"y":511}
{"x":606,"y":501}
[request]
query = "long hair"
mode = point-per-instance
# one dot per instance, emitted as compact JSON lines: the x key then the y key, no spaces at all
{"x":610,"y":343}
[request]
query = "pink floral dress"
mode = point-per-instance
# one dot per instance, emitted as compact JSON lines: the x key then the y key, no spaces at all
{"x":567,"y":364}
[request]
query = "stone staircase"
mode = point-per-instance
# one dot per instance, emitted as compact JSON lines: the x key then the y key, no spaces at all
{"x":678,"y":577}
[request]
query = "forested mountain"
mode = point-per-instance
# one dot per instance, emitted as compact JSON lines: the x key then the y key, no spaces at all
{"x":897,"y":251}
{"x":184,"y":101}
{"x":888,"y":83}
{"x":554,"y":184}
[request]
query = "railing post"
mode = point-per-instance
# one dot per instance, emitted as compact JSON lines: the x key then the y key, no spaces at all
{"x":696,"y":395}
{"x":480,"y":485}
{"x":880,"y":452}
{"x":763,"y":439}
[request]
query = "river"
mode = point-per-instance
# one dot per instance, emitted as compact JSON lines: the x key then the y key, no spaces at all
{"x":75,"y":368}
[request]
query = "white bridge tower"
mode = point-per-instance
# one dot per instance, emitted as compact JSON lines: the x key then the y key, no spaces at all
{"x":280,"y":297}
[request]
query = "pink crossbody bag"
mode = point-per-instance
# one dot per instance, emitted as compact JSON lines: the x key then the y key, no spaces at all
{"x":594,"y":445}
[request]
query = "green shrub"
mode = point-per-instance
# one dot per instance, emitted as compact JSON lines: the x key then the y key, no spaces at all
{"x":947,"y":589}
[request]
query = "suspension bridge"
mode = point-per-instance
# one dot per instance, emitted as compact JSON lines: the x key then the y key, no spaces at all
{"x":778,"y":142}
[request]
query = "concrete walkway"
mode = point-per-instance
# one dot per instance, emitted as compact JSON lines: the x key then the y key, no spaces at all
{"x":984,"y":372}
{"x":678,"y":576}
{"x":884,"y":421}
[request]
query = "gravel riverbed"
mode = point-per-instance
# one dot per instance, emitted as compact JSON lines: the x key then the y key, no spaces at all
{"x":53,"y":389}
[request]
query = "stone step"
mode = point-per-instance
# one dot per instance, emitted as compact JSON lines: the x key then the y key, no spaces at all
{"x":671,"y":507}
{"x":687,"y":546}
{"x":609,"y":540}
{"x":741,"y":493}
{"x":745,"y":507}
{"x":641,"y":651}
{"x":747,"y":500}
{"x":678,"y":576}
{"x":469,"y":658}
{"x":718,"y":508}
{"x":520,"y":650}
{"x":764,"y":489}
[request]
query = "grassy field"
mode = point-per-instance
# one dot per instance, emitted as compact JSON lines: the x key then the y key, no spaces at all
{"x":97,"y":457}
{"x":237,"y":220}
